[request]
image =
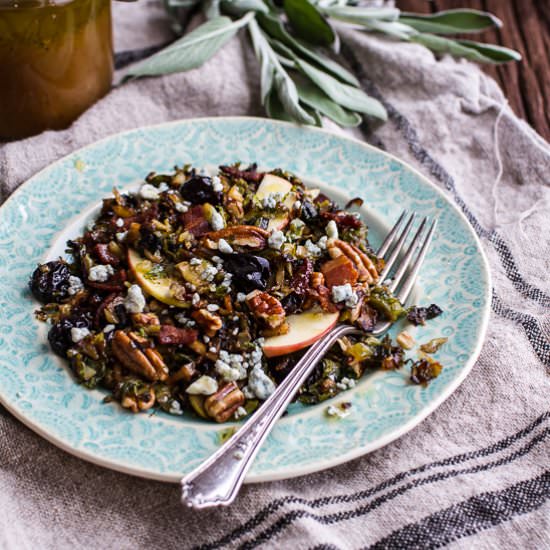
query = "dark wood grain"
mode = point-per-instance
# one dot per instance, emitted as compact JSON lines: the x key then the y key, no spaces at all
{"x":526,"y":28}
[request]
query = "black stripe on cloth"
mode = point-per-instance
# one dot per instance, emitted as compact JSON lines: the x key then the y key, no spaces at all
{"x":331,"y":518}
{"x":530,"y":325}
{"x":325,"y":547}
{"x":272,"y":507}
{"x":419,"y":152}
{"x":470,"y":516}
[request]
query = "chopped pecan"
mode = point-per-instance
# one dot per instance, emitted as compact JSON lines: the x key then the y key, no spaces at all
{"x":209,"y":321}
{"x":170,"y":335}
{"x":317,"y":279}
{"x":363,"y":264}
{"x":322,"y":296}
{"x":339,"y":271}
{"x":248,"y":236}
{"x":147,"y":363}
{"x":138,"y":403}
{"x":221,"y":405}
{"x":195,"y":222}
{"x":266,"y":308}
{"x":145,"y":319}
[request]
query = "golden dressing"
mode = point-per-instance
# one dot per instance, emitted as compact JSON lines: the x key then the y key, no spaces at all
{"x":55,"y":61}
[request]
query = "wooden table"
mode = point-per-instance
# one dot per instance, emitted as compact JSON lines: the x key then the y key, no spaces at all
{"x":526,"y":29}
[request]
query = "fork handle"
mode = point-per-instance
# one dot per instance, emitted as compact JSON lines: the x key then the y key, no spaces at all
{"x":218,"y":480}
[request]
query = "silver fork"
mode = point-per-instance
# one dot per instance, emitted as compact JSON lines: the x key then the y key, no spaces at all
{"x":218,"y":480}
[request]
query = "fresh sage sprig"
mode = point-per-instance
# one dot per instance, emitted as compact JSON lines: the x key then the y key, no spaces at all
{"x":296,"y":44}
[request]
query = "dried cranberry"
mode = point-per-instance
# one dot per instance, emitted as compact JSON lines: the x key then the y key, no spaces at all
{"x":249,"y":272}
{"x":198,"y":190}
{"x":343,"y":219}
{"x":195,"y":222}
{"x":59,"y":335}
{"x":302,"y":276}
{"x":50,"y":281}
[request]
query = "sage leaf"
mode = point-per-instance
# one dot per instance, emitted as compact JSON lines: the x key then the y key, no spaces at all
{"x":451,"y":21}
{"x":275,"y":76}
{"x":312,"y":95}
{"x":192,"y":50}
{"x":492,"y":52}
{"x":308,"y":23}
{"x":343,"y":94}
{"x":275,"y":109}
{"x":391,"y":28}
{"x":474,"y":51}
{"x":211,"y":9}
{"x":360,"y":15}
{"x":240,"y":7}
{"x":274,"y":27}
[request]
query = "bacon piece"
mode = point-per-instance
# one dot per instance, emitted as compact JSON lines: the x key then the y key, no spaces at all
{"x":342,"y":219}
{"x":249,"y":174}
{"x":195,"y":222}
{"x":339,"y":271}
{"x":104,"y":255}
{"x":169,"y":334}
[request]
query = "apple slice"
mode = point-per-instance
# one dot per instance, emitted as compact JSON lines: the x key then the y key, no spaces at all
{"x":151,"y":278}
{"x":275,"y":184}
{"x":305,"y":329}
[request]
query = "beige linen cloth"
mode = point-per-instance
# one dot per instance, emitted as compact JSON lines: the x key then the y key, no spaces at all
{"x":476,"y":473}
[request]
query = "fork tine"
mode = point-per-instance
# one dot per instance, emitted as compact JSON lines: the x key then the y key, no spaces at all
{"x":408,"y":284}
{"x":397,"y":249}
{"x":391,"y":235}
{"x":405,"y":262}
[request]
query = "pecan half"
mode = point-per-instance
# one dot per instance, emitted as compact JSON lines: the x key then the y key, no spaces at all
{"x":248,"y":236}
{"x":363,"y":264}
{"x":266,"y":308}
{"x":317,"y":279}
{"x":145,"y":362}
{"x":210,"y":322}
{"x":221,"y":405}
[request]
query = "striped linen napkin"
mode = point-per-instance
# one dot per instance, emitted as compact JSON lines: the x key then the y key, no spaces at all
{"x":476,"y":473}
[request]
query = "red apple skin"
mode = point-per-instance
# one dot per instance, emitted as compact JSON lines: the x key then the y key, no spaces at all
{"x":282,"y":349}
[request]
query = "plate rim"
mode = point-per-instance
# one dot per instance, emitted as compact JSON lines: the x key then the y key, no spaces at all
{"x":311,"y":467}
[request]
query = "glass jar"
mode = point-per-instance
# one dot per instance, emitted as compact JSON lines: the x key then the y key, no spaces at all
{"x":56,"y":59}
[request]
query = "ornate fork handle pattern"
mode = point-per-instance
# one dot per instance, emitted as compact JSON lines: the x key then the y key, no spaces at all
{"x":219,"y":479}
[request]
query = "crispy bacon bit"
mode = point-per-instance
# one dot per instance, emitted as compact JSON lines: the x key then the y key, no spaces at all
{"x":249,"y":174}
{"x":302,"y":276}
{"x":115,"y":283}
{"x":195,"y":222}
{"x":169,"y":334}
{"x":320,"y":295}
{"x":342,"y":219}
{"x":104,"y":255}
{"x":339,"y":271}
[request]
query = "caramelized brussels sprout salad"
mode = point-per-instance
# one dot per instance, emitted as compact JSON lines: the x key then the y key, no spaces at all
{"x":201,"y":292}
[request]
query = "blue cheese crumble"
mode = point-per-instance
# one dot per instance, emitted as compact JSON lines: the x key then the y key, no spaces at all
{"x":344,"y":293}
{"x":135,"y":300}
{"x":100,"y":273}
{"x":149,"y":192}
{"x":205,"y":385}
{"x":332,"y":230}
{"x":78,"y":334}
{"x":260,"y":384}
{"x":216,"y":221}
{"x":224,"y":247}
{"x":276,"y":239}
{"x":75,"y":285}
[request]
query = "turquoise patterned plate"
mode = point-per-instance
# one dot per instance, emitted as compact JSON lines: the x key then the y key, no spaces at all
{"x":55,"y":204}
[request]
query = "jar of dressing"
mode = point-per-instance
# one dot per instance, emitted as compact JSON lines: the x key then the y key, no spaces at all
{"x":56,"y":59}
